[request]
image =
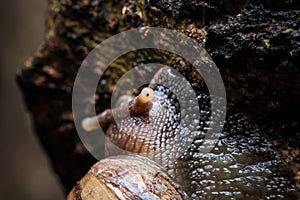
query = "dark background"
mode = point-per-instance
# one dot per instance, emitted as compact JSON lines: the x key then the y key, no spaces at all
{"x":25,"y":169}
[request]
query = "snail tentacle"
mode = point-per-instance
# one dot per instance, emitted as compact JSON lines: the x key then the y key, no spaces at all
{"x":139,"y":106}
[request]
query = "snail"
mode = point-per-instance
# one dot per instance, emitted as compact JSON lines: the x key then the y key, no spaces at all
{"x":242,"y":163}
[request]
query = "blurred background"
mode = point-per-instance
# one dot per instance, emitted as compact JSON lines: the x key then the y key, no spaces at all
{"x":25,"y":169}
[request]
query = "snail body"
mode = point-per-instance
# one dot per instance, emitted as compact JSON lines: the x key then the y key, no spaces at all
{"x":242,"y":164}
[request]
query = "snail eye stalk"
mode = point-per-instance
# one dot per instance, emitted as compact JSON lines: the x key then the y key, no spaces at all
{"x":143,"y":102}
{"x":146,"y":95}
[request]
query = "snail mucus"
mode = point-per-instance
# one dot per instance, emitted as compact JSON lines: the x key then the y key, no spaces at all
{"x":242,"y":164}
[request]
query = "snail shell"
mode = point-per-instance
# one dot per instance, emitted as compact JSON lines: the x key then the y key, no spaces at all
{"x":126,"y":177}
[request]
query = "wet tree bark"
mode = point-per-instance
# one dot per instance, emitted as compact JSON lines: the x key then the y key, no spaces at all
{"x":256,"y":46}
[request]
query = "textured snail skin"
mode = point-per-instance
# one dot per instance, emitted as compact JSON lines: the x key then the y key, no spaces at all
{"x":241,"y":165}
{"x":126,"y":177}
